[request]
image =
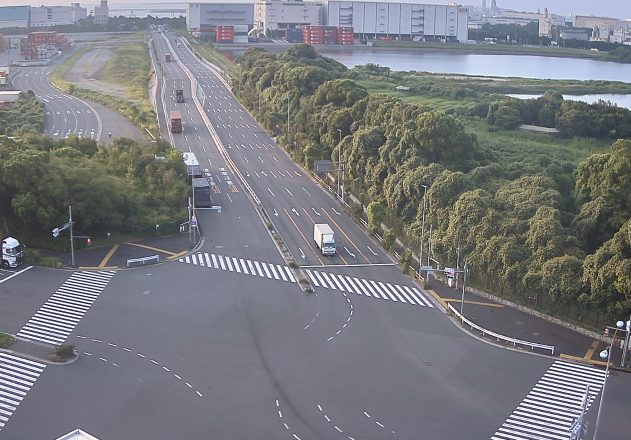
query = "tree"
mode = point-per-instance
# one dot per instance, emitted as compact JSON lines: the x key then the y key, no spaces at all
{"x":507,"y":117}
{"x":376,"y":213}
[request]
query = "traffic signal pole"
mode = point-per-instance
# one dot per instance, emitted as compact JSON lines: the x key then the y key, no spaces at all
{"x":71,"y":236}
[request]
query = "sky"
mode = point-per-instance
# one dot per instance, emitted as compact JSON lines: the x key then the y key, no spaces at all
{"x":608,"y":8}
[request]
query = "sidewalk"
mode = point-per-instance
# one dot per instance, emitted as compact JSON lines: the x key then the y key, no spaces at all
{"x":514,"y":323}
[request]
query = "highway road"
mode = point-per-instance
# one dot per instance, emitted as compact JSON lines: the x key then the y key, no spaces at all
{"x":223,"y":344}
{"x":68,"y":115}
{"x":287,"y":192}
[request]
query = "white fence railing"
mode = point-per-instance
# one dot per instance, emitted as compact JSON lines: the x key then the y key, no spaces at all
{"x":497,"y":336}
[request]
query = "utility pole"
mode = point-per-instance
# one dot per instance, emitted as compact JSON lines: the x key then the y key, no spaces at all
{"x":288,"y":120}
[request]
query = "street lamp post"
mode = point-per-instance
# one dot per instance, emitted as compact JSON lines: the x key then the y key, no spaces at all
{"x":605,"y":354}
{"x":288,"y":119}
{"x":339,"y":178}
{"x":420,"y":255}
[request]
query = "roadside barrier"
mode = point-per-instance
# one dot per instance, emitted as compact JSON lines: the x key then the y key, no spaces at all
{"x":497,"y":336}
{"x":135,"y":262}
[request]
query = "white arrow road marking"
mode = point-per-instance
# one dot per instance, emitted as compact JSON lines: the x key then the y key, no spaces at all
{"x":260,"y":159}
{"x":373,"y":252}
{"x":305,"y":190}
{"x":302,"y":254}
{"x":246,"y":159}
{"x":289,"y":192}
{"x":349,"y":252}
{"x":338,"y":213}
{"x":270,"y":191}
{"x":295,"y":212}
{"x":315,"y":212}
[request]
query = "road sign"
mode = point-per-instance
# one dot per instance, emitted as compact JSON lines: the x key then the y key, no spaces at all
{"x":427,"y":268}
{"x":193,"y":222}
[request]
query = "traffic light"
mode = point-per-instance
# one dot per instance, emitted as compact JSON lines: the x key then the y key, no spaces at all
{"x":56,"y":232}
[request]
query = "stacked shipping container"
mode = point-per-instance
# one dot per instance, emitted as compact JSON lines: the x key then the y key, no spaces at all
{"x":313,"y":34}
{"x":37,"y":44}
{"x":225,"y":34}
{"x":345,"y":35}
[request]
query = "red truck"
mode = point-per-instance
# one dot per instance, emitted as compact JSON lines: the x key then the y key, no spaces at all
{"x":175,"y":122}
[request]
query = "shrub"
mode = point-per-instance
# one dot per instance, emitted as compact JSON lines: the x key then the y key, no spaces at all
{"x":64,"y":352}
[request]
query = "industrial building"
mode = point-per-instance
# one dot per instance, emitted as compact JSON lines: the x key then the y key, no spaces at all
{"x":15,"y":16}
{"x":399,"y":20}
{"x":220,"y":21}
{"x":43,"y":16}
{"x":101,"y":13}
{"x":274,"y":15}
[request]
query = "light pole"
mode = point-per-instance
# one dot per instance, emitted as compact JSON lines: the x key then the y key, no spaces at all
{"x":288,"y":120}
{"x":420,"y":257}
{"x":339,"y":179}
{"x":606,"y":354}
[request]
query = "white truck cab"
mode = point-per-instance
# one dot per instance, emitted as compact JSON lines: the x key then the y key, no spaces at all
{"x":11,"y":252}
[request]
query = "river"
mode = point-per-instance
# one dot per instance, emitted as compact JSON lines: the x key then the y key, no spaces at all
{"x":523,"y":66}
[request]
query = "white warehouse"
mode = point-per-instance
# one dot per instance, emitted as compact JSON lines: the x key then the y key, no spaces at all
{"x":43,"y":16}
{"x":200,"y":16}
{"x":399,"y":19}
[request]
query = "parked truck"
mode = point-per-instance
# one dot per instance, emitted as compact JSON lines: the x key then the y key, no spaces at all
{"x":324,"y":238}
{"x":175,"y":122}
{"x":11,"y":252}
{"x":201,"y":193}
{"x":192,"y":165}
{"x":167,"y":57}
{"x":179,"y":95}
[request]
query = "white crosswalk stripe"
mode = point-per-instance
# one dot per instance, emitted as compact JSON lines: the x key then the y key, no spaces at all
{"x":57,"y":318}
{"x":550,"y":408}
{"x":326,"y":280}
{"x":17,"y":377}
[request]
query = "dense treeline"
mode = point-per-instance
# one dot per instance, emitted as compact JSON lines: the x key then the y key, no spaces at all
{"x":546,"y":229}
{"x":125,"y":187}
{"x":572,"y":118}
{"x":26,"y":115}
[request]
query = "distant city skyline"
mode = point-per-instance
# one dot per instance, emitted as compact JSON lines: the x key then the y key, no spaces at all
{"x":604,"y":8}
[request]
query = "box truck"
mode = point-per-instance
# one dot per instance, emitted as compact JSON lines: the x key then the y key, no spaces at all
{"x":324,"y":238}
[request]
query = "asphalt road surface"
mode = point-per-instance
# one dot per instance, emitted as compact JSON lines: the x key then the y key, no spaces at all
{"x":223,"y":344}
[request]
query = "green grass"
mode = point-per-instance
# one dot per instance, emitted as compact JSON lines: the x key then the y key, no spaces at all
{"x":517,"y":146}
{"x":136,"y":107}
{"x":208,"y":52}
{"x":6,"y":340}
{"x":434,"y":102}
{"x":129,"y":66}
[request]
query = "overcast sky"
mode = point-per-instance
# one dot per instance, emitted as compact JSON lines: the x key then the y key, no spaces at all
{"x":609,"y":8}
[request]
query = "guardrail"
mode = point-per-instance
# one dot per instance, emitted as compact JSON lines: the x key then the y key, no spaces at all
{"x":499,"y":337}
{"x":135,"y":262}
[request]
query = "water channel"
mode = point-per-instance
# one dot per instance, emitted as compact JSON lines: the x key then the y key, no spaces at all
{"x":522,"y":66}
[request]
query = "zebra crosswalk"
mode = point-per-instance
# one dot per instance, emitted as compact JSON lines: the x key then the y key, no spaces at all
{"x":17,"y":376}
{"x":555,"y":402}
{"x":326,"y":280}
{"x":58,"y":317}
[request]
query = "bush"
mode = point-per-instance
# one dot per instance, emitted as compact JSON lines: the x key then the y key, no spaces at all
{"x":388,"y":239}
{"x":6,"y":340}
{"x":64,"y":352}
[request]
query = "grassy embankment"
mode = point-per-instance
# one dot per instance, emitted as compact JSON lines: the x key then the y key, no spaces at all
{"x":208,"y":52}
{"x":128,"y":66}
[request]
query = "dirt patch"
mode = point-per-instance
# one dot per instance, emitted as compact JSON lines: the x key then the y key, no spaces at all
{"x":85,"y":72}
